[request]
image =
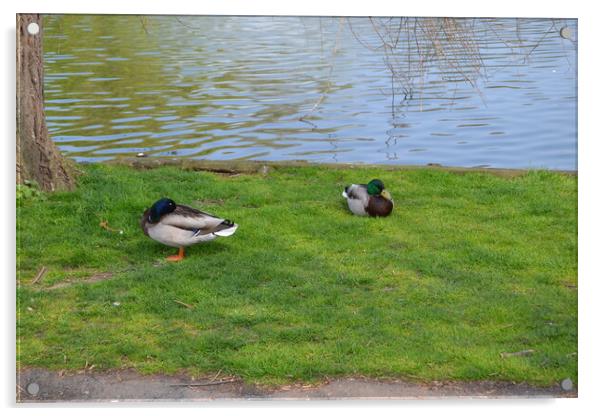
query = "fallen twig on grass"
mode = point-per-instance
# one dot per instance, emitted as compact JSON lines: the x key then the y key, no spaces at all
{"x":183,"y":304}
{"x":216,"y":375}
{"x":211,"y":383}
{"x":105,"y":224}
{"x":39,"y":276}
{"x":516,"y":354}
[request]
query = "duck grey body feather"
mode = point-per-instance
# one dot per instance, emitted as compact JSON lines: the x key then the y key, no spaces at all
{"x":357,"y":198}
{"x":186,"y":226}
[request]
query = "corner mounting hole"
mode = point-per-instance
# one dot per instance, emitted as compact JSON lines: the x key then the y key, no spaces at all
{"x":33,"y":28}
{"x":33,"y":389}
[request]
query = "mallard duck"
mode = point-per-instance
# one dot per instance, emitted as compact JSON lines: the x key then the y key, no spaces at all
{"x":372,"y":199}
{"x":181,"y":226}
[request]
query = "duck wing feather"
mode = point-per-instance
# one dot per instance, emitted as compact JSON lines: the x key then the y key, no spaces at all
{"x":191,"y":219}
{"x":359,"y":192}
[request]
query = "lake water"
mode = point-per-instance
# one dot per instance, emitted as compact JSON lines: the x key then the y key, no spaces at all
{"x":490,"y":92}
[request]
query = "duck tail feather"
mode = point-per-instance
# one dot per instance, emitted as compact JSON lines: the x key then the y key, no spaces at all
{"x":226,"y":228}
{"x":345,"y":194}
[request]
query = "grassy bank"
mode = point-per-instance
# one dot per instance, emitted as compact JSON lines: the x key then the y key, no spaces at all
{"x":470,"y":265}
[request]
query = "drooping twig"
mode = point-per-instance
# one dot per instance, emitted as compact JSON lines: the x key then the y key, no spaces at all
{"x":329,"y":83}
{"x":412,"y":45}
{"x":545,"y":35}
{"x":143,"y":23}
{"x":185,"y":24}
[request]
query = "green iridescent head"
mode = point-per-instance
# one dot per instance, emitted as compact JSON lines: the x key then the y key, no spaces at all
{"x":375,"y":187}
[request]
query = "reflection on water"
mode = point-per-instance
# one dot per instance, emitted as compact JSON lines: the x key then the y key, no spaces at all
{"x":320,"y":89}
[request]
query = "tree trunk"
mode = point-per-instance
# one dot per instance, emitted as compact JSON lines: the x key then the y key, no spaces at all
{"x":38,"y":159}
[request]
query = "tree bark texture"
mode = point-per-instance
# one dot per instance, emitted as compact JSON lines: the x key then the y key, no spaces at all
{"x":38,"y":159}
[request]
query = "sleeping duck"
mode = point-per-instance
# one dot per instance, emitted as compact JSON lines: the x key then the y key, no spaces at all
{"x":372,"y":199}
{"x":181,"y":226}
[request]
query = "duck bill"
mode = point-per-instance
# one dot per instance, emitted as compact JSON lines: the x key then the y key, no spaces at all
{"x":385,"y":194}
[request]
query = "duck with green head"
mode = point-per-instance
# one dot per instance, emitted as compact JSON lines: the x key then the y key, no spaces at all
{"x":181,"y":226}
{"x":371,"y":199}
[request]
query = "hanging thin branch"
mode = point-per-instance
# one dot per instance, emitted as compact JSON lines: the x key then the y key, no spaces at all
{"x":329,"y":82}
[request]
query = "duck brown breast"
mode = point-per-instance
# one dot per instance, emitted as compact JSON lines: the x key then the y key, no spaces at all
{"x":379,"y":206}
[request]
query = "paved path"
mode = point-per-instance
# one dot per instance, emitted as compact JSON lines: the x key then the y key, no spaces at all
{"x":37,"y":385}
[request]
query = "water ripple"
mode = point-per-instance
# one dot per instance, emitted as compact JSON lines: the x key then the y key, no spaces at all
{"x":282,"y":88}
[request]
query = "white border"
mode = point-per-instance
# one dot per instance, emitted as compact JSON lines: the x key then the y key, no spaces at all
{"x":589,"y":186}
{"x":459,"y":8}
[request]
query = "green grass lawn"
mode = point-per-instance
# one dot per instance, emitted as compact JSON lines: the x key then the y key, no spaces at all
{"x":468,"y":266}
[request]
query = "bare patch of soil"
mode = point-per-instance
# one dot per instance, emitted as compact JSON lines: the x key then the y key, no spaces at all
{"x":90,"y":279}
